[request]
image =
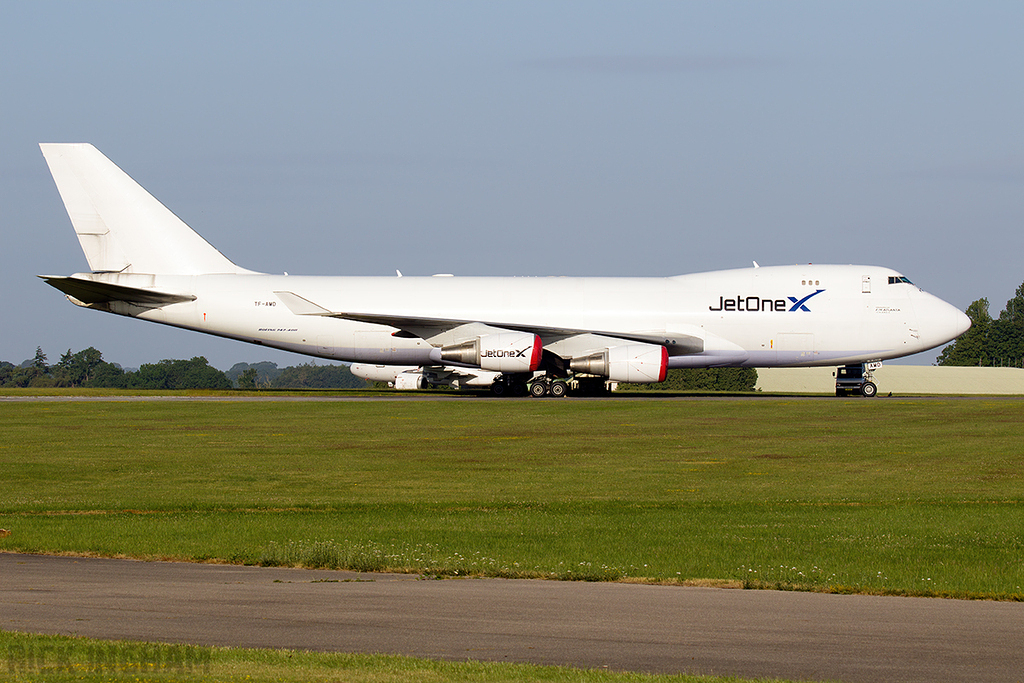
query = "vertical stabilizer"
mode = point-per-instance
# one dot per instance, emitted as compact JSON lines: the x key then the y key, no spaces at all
{"x":121,"y":227}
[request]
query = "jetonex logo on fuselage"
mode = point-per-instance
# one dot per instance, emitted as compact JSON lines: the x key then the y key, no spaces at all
{"x":756,"y":304}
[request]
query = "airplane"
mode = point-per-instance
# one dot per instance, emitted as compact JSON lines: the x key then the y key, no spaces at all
{"x":145,"y":262}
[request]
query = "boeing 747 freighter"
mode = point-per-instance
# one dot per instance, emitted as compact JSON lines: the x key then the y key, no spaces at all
{"x":506,"y":332}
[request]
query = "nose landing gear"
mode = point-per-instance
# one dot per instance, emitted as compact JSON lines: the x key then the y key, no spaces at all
{"x":856,"y":379}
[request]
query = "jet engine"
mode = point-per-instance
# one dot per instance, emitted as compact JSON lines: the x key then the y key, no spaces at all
{"x":409,"y":380}
{"x":627,"y":363}
{"x":509,"y":352}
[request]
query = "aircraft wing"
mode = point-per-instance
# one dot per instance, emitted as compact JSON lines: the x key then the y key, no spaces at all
{"x":425,"y":328}
{"x":94,"y":292}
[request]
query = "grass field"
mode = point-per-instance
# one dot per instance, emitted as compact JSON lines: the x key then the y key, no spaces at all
{"x":44,"y":659}
{"x":899,"y":496}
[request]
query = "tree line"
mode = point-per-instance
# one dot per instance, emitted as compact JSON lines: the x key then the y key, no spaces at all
{"x":87,"y":368}
{"x":991,"y":342}
{"x":266,"y":375}
{"x":701,"y":379}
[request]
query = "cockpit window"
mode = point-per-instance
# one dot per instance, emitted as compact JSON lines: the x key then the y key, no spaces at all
{"x":899,"y":279}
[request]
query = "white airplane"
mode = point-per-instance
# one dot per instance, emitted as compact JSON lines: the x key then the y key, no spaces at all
{"x":146,"y":263}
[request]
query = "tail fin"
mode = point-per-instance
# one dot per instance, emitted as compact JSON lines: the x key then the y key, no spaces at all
{"x":121,"y":227}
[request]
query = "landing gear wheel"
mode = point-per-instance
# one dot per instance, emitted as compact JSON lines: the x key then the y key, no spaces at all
{"x":538,"y":389}
{"x":499,"y":388}
{"x":558,"y":389}
{"x":868,"y":390}
{"x":519,"y":388}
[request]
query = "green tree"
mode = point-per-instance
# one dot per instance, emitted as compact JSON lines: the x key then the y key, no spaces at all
{"x":1014,"y":311}
{"x":266,"y":372}
{"x":77,"y":369}
{"x":108,"y":375}
{"x":32,"y":373}
{"x":248,"y":379}
{"x":6,"y":372}
{"x":310,"y":376}
{"x":1007,"y":334}
{"x":179,"y":374}
{"x":701,"y":379}
{"x":990,"y":342}
{"x":972,"y":347}
{"x":39,"y":362}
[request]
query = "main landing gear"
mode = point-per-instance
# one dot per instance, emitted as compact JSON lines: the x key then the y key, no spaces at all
{"x":509,"y":385}
{"x":548,"y":385}
{"x":515,"y":385}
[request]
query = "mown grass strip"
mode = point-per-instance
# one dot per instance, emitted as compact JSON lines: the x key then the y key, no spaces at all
{"x":44,"y":659}
{"x":950,"y":550}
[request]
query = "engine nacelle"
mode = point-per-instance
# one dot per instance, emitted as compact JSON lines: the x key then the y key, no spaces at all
{"x":398,"y":376}
{"x":410,"y":380}
{"x":510,"y":352}
{"x":627,"y":363}
{"x":381,"y":373}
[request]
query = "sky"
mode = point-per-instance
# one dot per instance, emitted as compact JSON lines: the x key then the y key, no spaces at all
{"x":521,"y":138}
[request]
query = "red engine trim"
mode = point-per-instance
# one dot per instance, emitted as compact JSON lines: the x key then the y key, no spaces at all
{"x":538,"y":349}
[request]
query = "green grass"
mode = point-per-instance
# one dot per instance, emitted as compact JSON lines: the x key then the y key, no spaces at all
{"x":916,"y":497}
{"x":52,"y":659}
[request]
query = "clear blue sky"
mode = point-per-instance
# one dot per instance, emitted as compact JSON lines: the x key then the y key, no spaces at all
{"x":527,"y":138}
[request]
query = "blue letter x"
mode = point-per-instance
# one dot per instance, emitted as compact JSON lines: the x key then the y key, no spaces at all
{"x":799,"y":305}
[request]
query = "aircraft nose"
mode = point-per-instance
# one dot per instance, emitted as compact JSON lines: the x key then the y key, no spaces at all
{"x":961,"y":323}
{"x":944,"y":321}
{"x":938,"y":321}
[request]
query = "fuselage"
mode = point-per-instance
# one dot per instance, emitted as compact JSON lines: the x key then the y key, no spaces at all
{"x":755,"y":317}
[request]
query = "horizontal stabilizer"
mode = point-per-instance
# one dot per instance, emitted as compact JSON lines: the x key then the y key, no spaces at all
{"x":92,"y":292}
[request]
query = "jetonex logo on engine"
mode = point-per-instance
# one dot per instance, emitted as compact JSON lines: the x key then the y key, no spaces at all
{"x":505,"y":353}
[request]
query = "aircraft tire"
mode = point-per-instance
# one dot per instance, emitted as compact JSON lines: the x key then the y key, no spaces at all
{"x":499,"y":388}
{"x":868,"y":390}
{"x":558,"y":389}
{"x":519,"y":389}
{"x":538,"y":389}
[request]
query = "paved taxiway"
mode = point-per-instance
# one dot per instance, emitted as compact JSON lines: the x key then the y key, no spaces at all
{"x":618,"y":626}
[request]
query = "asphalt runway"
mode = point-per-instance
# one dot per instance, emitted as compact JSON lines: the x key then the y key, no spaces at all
{"x":804,"y":636}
